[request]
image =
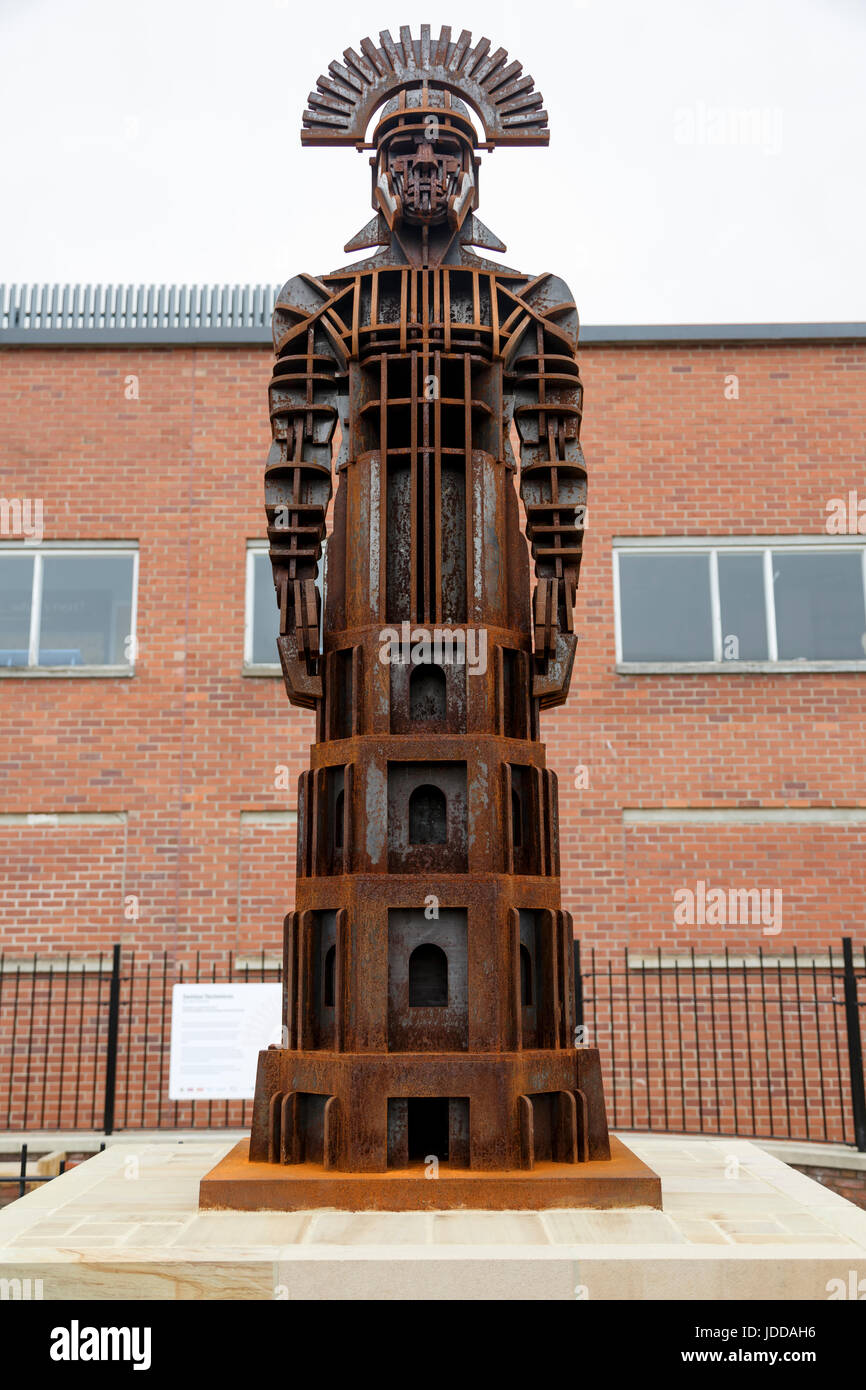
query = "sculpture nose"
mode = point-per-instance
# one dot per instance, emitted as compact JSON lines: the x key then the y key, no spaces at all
{"x":425,"y":157}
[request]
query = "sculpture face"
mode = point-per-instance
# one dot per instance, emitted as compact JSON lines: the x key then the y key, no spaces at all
{"x":426,"y":176}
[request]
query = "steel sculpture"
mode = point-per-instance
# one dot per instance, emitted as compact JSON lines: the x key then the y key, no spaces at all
{"x":429,"y":1015}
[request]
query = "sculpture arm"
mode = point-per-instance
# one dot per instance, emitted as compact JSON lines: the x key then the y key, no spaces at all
{"x":544,"y":383}
{"x":304,"y":394}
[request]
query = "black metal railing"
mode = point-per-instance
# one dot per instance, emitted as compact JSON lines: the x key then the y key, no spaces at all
{"x":85,"y":1045}
{"x":768,"y":1047}
{"x":23,"y":1179}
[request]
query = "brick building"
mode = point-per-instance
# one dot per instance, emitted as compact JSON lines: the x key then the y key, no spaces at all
{"x":710,"y":755}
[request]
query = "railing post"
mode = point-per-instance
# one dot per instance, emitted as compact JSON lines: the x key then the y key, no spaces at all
{"x":578,"y":987}
{"x":113,"y":1029}
{"x":855,"y":1045}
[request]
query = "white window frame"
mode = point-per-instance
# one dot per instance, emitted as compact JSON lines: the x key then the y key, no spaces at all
{"x":711,"y":546}
{"x":79,"y":548}
{"x":254,"y":668}
{"x":271,"y":668}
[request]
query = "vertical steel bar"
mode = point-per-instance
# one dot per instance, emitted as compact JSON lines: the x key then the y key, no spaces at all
{"x":855,"y":1046}
{"x":766,"y":1036}
{"x":747,"y":1013}
{"x":802,"y":1046}
{"x":48,"y":1034}
{"x":111,"y":1044}
{"x":715,"y":1044}
{"x":628,"y":1036}
{"x":661,"y":991}
{"x":731,"y":1038}
{"x":697,"y":1045}
{"x":12,"y":1045}
{"x":784,"y":1044}
{"x":649,"y":1106}
{"x":612,"y":1022}
{"x":33,"y":978}
{"x":162,"y":1038}
{"x":130,"y":1024}
{"x":820,"y":1049}
{"x":679,"y":1016}
{"x":835,"y":1017}
{"x":62,"y":1067}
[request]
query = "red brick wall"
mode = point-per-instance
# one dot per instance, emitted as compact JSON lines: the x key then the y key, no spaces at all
{"x":847,"y":1182}
{"x":189,"y":743}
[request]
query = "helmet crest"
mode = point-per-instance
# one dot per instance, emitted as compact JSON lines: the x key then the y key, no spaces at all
{"x":508,"y":107}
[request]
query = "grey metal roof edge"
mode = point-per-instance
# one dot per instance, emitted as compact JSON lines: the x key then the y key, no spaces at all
{"x":159,"y":314}
{"x":721,"y":332}
{"x":153,"y":337}
{"x":236,"y":314}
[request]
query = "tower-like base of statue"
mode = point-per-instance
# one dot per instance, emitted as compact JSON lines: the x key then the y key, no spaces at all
{"x":359,"y":1132}
{"x":236,"y":1184}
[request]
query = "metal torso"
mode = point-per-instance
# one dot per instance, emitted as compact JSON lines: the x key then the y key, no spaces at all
{"x":427,"y":429}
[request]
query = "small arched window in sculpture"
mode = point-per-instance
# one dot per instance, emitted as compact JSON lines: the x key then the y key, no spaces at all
{"x":338,"y":820}
{"x":427,"y":816}
{"x":428,"y":977}
{"x":516,"y":820}
{"x":525,"y":977}
{"x":427,"y":694}
{"x":329,"y":971}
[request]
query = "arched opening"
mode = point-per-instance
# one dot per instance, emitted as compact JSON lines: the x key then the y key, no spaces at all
{"x":427,"y":693}
{"x":338,"y":821}
{"x":427,"y":816}
{"x":428,"y":977}
{"x":525,"y":977}
{"x":516,"y":819}
{"x":329,"y":972}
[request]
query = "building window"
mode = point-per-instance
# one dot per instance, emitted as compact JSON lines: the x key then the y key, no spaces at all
{"x":773,"y":603}
{"x":68,"y":607}
{"x":262,"y":618}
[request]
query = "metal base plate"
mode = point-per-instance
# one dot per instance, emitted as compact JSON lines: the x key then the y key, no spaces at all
{"x":236,"y":1184}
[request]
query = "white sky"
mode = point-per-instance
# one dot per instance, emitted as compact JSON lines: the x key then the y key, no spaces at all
{"x":159,"y":142}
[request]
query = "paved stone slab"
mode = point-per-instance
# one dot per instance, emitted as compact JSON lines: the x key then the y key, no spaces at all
{"x":737,"y":1223}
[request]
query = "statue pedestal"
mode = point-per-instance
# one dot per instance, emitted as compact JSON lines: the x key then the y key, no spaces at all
{"x":127,"y":1224}
{"x":236,"y":1184}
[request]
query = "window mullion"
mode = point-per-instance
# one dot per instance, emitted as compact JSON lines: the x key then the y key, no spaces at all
{"x":248,"y":608}
{"x":617,"y":614}
{"x":770,"y":607}
{"x":35,"y":611}
{"x":715,"y":605}
{"x":133,"y":612}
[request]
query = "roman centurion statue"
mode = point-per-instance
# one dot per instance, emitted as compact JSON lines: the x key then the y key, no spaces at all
{"x":428,"y":986}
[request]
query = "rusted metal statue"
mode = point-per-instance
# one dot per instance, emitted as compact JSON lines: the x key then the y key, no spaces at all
{"x":428,"y":967}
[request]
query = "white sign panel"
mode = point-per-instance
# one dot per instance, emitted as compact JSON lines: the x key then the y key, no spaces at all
{"x":217,"y":1033}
